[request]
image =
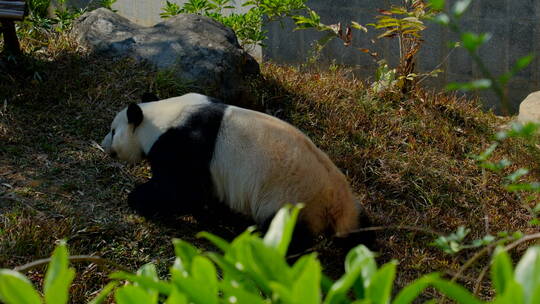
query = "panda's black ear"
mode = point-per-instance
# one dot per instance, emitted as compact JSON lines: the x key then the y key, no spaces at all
{"x":134,"y":114}
{"x":149,"y":97}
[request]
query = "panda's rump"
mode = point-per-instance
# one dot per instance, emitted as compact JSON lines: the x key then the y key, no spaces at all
{"x":261,"y":163}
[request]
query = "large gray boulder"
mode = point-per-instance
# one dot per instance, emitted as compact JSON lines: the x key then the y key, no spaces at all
{"x":200,"y":51}
{"x":529,"y":109}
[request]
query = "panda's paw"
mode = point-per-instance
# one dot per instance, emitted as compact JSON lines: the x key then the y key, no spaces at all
{"x":139,"y":201}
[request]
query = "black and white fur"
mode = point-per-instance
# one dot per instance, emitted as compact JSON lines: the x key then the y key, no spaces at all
{"x":200,"y":149}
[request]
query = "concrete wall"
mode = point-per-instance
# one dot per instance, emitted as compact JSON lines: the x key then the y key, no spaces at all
{"x":515,"y":25}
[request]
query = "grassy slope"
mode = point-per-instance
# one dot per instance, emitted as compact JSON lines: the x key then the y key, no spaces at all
{"x":407,"y":160}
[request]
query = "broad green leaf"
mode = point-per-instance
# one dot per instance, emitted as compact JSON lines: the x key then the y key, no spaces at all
{"x":412,"y":291}
{"x":149,"y":271}
{"x":201,"y":286}
{"x":501,"y":271}
{"x":195,"y":290}
{"x":185,"y":252}
{"x":267,"y":261}
{"x":460,"y":7}
{"x":59,"y":289}
{"x":143,"y":282}
{"x":442,"y":19}
{"x":281,"y":293}
{"x":480,"y":84}
{"x":517,"y":174}
{"x":338,"y":291}
{"x":536,"y":295}
{"x":526,"y":131}
{"x":472,"y":41}
{"x":234,"y":293}
{"x":455,"y":292}
{"x":131,"y":294}
{"x":15,"y":288}
{"x":528,"y":272}
{"x":513,"y":294}
{"x":437,"y":4}
{"x":231,"y":273}
{"x":361,"y":257}
{"x":528,"y":187}
{"x":520,"y":64}
{"x":220,"y":243}
{"x":379,"y":290}
{"x":104,"y":293}
{"x":205,"y":273}
{"x":58,"y":277}
{"x":176,"y":297}
{"x":326,"y":284}
{"x":307,"y":287}
{"x":281,"y":229}
{"x":523,"y":62}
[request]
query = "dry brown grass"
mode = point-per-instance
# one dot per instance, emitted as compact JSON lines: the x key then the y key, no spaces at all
{"x":406,"y":158}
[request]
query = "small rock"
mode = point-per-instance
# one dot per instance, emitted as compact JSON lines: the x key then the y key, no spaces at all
{"x":200,"y":51}
{"x":529,"y":109}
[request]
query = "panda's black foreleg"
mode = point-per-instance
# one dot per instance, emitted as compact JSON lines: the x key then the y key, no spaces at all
{"x":153,"y":198}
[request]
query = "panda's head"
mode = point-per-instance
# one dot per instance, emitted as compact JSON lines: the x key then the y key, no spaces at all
{"x":121,"y":142}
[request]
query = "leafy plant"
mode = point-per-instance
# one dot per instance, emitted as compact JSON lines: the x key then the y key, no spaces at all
{"x":170,"y":9}
{"x":108,"y":4}
{"x":248,"y":26}
{"x":39,"y":8}
{"x":16,"y":288}
{"x":255,"y":270}
{"x":39,"y":19}
{"x":402,"y":22}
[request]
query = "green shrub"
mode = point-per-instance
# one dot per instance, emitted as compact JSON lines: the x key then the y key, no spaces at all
{"x":247,"y":26}
{"x":251,"y":269}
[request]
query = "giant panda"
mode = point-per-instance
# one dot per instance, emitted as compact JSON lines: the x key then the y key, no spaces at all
{"x":254,"y":163}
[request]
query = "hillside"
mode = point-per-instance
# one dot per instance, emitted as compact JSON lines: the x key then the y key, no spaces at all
{"x":407,"y":158}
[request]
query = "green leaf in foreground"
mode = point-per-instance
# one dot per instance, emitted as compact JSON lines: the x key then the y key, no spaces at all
{"x":456,"y":292}
{"x":460,"y":7}
{"x":281,"y":229}
{"x":472,"y":41}
{"x":307,"y":287}
{"x":437,"y":4}
{"x":58,"y":277}
{"x":216,"y":240}
{"x":361,"y":257}
{"x":528,"y":272}
{"x":501,"y":271}
{"x":133,"y":295}
{"x":15,"y":288}
{"x":412,"y":291}
{"x":104,"y":293}
{"x":480,"y":84}
{"x":380,"y":288}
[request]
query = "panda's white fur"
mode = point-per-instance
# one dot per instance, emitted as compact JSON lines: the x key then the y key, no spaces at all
{"x":259,"y":162}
